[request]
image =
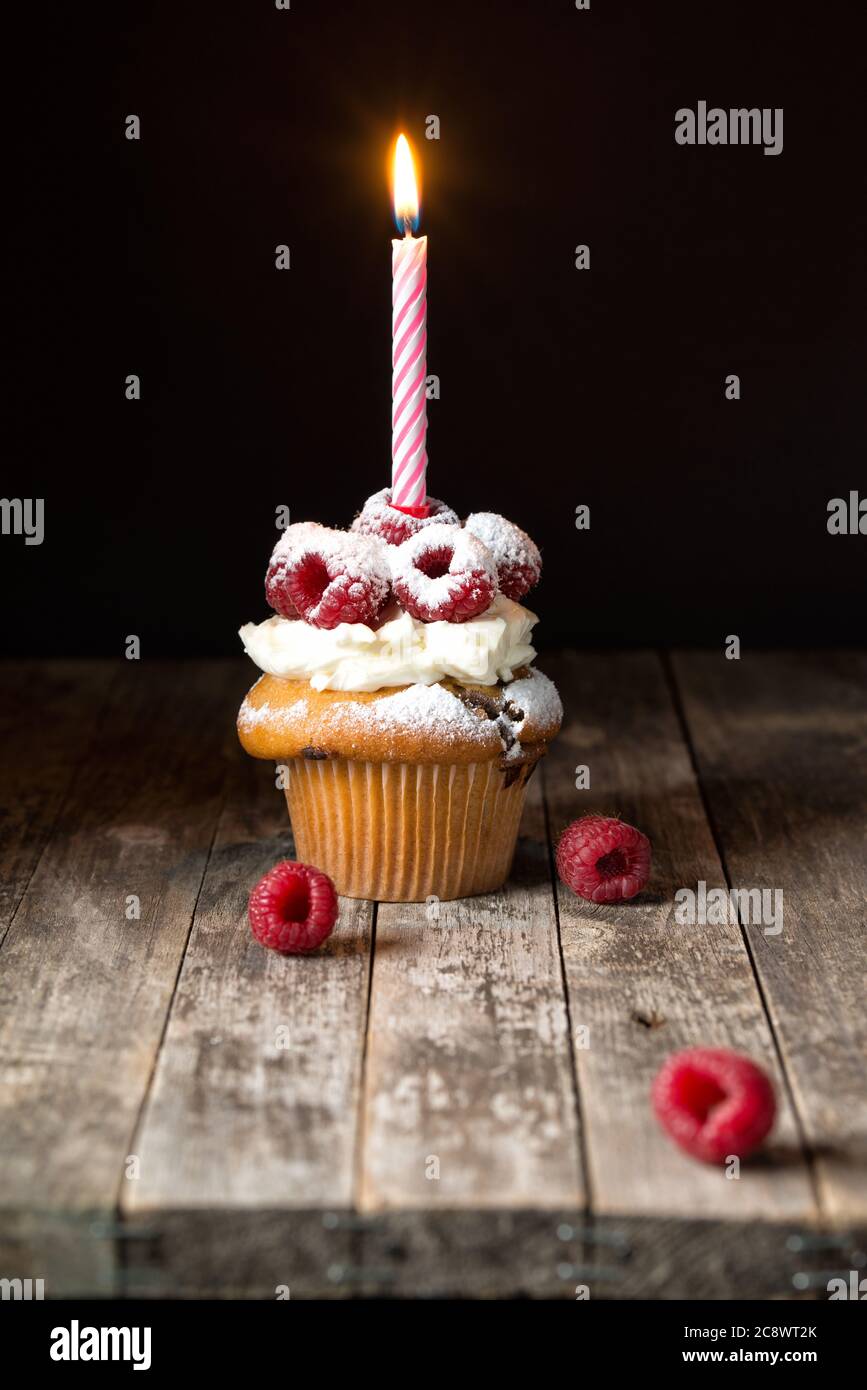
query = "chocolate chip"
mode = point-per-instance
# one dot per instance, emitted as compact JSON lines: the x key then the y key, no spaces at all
{"x":314,"y":754}
{"x":506,"y":733}
{"x":478,"y":702}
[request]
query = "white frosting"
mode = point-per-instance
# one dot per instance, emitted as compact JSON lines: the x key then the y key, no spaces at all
{"x":403,"y":651}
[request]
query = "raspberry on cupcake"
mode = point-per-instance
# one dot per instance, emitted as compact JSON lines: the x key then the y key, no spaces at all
{"x":379,"y":518}
{"x":399,"y":694}
{"x":331,"y":577}
{"x":516,"y":556}
{"x":443,"y":574}
{"x":276,"y":591}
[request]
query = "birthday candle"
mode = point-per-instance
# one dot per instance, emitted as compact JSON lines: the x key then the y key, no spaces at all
{"x":409,"y":344}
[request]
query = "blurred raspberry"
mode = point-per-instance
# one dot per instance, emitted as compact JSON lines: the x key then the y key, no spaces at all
{"x":714,"y":1103}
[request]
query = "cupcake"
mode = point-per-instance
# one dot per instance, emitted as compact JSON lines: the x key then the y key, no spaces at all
{"x":398,"y":693}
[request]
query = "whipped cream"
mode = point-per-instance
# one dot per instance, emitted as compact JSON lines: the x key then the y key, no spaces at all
{"x":403,"y":651}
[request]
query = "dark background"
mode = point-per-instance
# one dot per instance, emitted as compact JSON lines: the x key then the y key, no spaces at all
{"x":559,"y":387}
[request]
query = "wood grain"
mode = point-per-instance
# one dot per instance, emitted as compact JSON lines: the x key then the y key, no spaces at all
{"x":468,"y":1100}
{"x":643,"y":985}
{"x":251,"y":1124}
{"x":311,"y":1166}
{"x":781,"y":745}
{"x":84,"y":991}
{"x":48,"y":714}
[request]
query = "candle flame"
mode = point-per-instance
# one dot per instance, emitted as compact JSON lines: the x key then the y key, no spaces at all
{"x":405,"y":187}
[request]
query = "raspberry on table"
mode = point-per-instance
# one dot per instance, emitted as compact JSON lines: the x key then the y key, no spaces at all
{"x":714,"y":1103}
{"x":292,"y":908}
{"x":379,"y":518}
{"x":603,"y":859}
{"x":443,"y":574}
{"x":516,"y":556}
{"x":333,"y":577}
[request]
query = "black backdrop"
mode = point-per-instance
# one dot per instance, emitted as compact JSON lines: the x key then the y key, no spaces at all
{"x":559,"y":387}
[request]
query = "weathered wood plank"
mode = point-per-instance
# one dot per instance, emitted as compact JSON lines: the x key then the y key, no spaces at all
{"x":781,"y":745}
{"x":465,"y":1253}
{"x":84,"y":991}
{"x":469,"y":1099}
{"x":237,"y":1252}
{"x":643,"y":985}
{"x":254,"y":1106}
{"x":245,"y":1149}
{"x":48,"y":713}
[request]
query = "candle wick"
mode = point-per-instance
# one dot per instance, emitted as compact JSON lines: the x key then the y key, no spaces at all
{"x":407,"y":226}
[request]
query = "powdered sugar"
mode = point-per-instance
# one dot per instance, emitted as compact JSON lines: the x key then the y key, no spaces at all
{"x":516,"y":556}
{"x":466,"y":587}
{"x":426,"y":712}
{"x":359,"y":557}
{"x":468,"y":553}
{"x":291,"y":538}
{"x":328,"y":577}
{"x":427,"y":709}
{"x":379,"y":518}
{"x":251,"y":716}
{"x":537,"y":697}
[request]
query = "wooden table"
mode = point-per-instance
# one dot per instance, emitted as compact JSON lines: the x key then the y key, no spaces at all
{"x":451,"y":1105}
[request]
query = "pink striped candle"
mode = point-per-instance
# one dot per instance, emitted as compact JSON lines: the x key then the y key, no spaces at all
{"x":409,"y":344}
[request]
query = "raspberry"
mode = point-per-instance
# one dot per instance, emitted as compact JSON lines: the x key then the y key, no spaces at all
{"x":276,"y":591}
{"x":603,"y":859}
{"x":714,"y":1103}
{"x":443,"y":575}
{"x":332,"y":577}
{"x":292,"y":908}
{"x":379,"y":518}
{"x":517,"y":558}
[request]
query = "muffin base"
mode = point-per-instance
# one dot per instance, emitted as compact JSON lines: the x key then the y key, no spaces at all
{"x":405,"y":832}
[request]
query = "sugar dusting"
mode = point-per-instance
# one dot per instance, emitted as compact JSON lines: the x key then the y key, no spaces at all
{"x":487,"y":544}
{"x":359,"y":557}
{"x":378,"y":508}
{"x":509,"y":545}
{"x":292,"y":538}
{"x":428,"y":710}
{"x":251,"y":716}
{"x":537,"y":696}
{"x":469,"y":555}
